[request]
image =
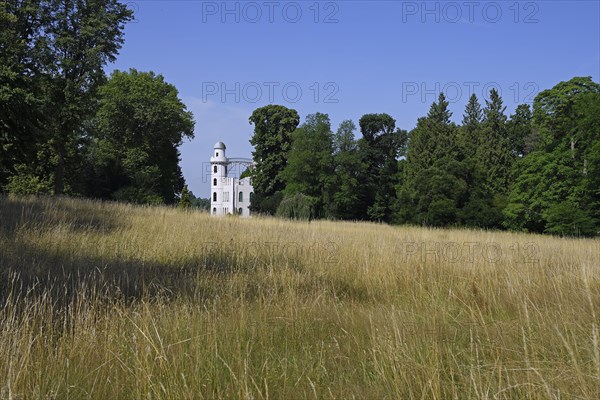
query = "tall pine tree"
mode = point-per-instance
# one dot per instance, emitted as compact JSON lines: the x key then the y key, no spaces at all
{"x":493,"y":152}
{"x":470,"y":131}
{"x":434,"y":187}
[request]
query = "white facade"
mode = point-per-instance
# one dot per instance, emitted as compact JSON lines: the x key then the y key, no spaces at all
{"x":228,"y":195}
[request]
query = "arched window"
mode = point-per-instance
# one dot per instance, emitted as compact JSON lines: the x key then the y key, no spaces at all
{"x":215,"y":196}
{"x":240,"y":211}
{"x":241,"y":198}
{"x":215,"y":182}
{"x":214,"y":210}
{"x":215,"y":169}
{"x":217,"y":154}
{"x":226,"y":170}
{"x":251,"y":195}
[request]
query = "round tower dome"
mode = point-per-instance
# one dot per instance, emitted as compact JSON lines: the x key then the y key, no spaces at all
{"x":219,"y":153}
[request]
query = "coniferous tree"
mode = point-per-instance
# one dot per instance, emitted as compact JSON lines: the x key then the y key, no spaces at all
{"x":493,"y":152}
{"x":433,"y":138}
{"x":470,"y":131}
{"x":185,"y":202}
{"x":473,"y":113}
{"x":489,"y":165}
{"x":435,"y":179}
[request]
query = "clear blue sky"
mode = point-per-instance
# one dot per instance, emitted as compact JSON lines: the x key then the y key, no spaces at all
{"x":349,"y":58}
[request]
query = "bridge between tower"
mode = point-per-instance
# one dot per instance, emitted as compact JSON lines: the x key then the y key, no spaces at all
{"x":240,"y":164}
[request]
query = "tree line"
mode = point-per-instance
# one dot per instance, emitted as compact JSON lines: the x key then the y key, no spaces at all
{"x":537,"y":170}
{"x":68,"y":128}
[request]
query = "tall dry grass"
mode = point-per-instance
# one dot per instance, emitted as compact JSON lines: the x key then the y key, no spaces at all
{"x":107,"y":301}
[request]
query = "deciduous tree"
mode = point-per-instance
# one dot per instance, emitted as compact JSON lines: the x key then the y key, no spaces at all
{"x":273,"y":127}
{"x":141,"y":123}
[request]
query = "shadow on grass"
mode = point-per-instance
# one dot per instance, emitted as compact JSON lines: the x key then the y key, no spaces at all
{"x":68,"y":278}
{"x":80,"y":215}
{"x":28,"y":271}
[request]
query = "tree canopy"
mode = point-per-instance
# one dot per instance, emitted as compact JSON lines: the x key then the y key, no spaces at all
{"x":536,"y":170}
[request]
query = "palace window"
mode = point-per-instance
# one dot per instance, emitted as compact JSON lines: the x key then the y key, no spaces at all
{"x":215,"y":169}
{"x":215,"y":182}
{"x":241,"y":211}
{"x":215,"y":196}
{"x":241,"y":197}
{"x":214,"y":210}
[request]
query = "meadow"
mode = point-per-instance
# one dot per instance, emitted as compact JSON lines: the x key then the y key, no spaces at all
{"x":114,"y":301}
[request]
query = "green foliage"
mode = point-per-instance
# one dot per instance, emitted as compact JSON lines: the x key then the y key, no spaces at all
{"x":470,"y":131}
{"x":473,"y":114}
{"x":482,"y":212}
{"x":298,"y":206}
{"x":373,"y":126}
{"x":435,"y":178}
{"x":379,"y":149}
{"x":543,"y":180}
{"x":266,"y":204}
{"x":185,"y":202}
{"x":201,"y":203}
{"x":80,"y":38}
{"x":141,"y":123}
{"x":556,"y":115}
{"x":66,"y":129}
{"x":344,"y":140}
{"x":273,"y":127}
{"x":568,"y":219}
{"x":133,"y":194}
{"x":21,"y":121}
{"x":591,"y":180}
{"x":439,"y":111}
{"x":522,"y":139}
{"x":247,"y":173}
{"x":439,"y":191}
{"x":348,"y":170}
{"x":52,"y":63}
{"x":24,"y":183}
{"x":493,"y":153}
{"x":555,"y":188}
{"x":310,"y":166}
{"x":434,"y":138}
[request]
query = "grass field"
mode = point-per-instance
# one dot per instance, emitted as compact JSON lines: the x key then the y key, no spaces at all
{"x":108,"y":301}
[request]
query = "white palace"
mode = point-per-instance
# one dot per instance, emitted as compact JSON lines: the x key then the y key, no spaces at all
{"x":230,"y":195}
